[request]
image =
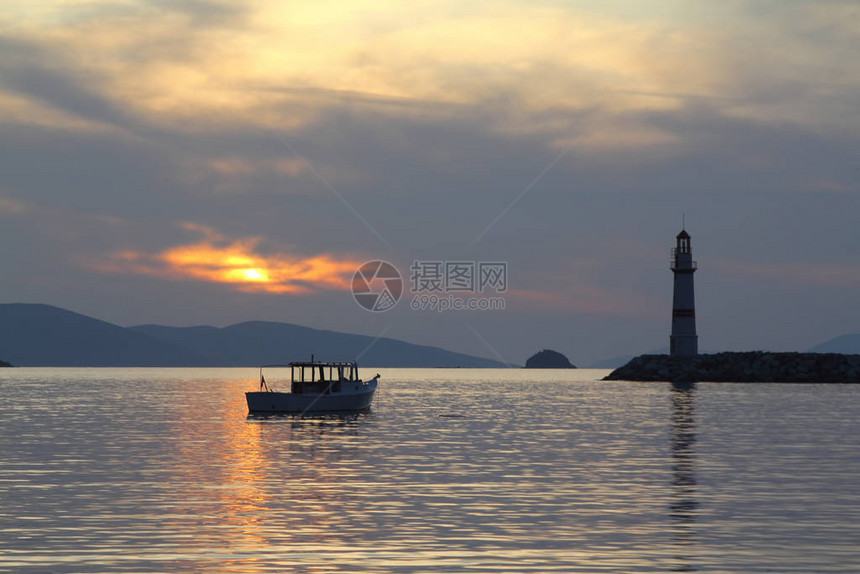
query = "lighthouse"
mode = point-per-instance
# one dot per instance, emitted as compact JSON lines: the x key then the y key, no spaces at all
{"x":683,"y":342}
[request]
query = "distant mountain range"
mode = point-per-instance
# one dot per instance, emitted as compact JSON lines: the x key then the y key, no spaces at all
{"x":845,"y":344}
{"x":47,"y":336}
{"x":43,"y":335}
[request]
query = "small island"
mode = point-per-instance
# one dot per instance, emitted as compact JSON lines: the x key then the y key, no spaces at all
{"x":745,"y":367}
{"x":5,"y":364}
{"x":548,"y":359}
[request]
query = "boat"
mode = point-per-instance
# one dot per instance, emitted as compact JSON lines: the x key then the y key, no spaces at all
{"x":315,"y":387}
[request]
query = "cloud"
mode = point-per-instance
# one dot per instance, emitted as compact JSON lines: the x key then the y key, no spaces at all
{"x":803,"y":274}
{"x":236,"y":263}
{"x":581,"y":300}
{"x":573,"y":286}
{"x":9,"y":206}
{"x":62,"y":92}
{"x":239,"y":166}
{"x":209,"y":66}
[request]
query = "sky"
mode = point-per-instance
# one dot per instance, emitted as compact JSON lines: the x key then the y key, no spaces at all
{"x":192,"y":162}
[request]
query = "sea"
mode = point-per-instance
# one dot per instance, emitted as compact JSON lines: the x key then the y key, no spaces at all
{"x":453,"y":470}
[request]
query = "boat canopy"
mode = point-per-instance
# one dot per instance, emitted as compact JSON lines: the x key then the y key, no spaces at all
{"x":323,"y":372}
{"x":319,"y":371}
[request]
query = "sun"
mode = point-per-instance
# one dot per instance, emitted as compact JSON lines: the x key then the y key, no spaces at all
{"x":254,"y":275}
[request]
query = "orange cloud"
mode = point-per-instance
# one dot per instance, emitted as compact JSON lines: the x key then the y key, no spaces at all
{"x":586,"y":300}
{"x":217,"y":259}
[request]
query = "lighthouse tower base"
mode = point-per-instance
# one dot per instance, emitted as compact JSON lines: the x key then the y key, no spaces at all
{"x":683,"y":345}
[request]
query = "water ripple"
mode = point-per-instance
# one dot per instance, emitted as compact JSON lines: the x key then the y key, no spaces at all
{"x":162,"y":470}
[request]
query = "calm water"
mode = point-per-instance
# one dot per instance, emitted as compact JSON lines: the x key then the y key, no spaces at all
{"x":161,"y":470}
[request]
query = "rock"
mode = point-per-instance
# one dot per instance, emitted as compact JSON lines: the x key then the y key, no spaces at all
{"x":548,"y":359}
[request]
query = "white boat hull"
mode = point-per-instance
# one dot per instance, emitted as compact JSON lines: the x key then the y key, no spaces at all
{"x":356,"y":399}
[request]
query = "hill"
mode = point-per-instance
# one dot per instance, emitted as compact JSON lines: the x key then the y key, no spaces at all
{"x":844,"y":344}
{"x":549,"y":359}
{"x":47,"y":336}
{"x":44,"y":335}
{"x":263,"y":342}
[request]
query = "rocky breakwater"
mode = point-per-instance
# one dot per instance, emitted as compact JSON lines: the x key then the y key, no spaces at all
{"x":749,"y":367}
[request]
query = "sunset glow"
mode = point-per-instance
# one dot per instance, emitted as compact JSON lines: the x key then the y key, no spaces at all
{"x":267,"y":68}
{"x":237,"y":263}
